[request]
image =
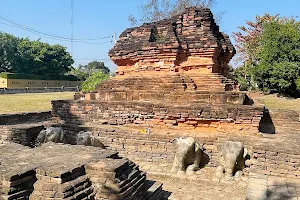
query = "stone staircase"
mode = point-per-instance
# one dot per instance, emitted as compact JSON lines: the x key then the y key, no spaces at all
{"x":179,"y":88}
{"x":172,"y":82}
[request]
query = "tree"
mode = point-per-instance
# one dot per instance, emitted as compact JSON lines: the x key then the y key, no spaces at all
{"x":244,"y":76}
{"x":78,"y":72}
{"x":248,"y":38}
{"x":85,"y":71}
{"x":96,"y":66}
{"x":9,"y":54}
{"x":43,"y":59}
{"x":155,"y":10}
{"x":93,"y":81}
{"x":270,"y":50}
{"x":20,"y":55}
{"x":278,"y":65}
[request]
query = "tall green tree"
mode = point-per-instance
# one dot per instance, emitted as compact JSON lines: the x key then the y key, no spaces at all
{"x":96,"y":66}
{"x":20,"y":55}
{"x":248,"y":38}
{"x":9,"y":53}
{"x":279,"y":56}
{"x":44,"y":59}
{"x":269,"y":47}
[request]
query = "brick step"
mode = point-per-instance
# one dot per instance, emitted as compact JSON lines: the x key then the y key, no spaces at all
{"x":133,"y":187}
{"x":189,"y":82}
{"x":207,"y":80}
{"x":205,"y":76}
{"x":22,"y":133}
{"x":154,"y":190}
{"x":209,"y":84}
{"x":16,"y":196}
{"x":210,"y":87}
{"x":288,"y":128}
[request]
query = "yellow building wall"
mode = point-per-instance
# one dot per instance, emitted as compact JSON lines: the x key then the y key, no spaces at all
{"x":3,"y":83}
{"x":23,"y":83}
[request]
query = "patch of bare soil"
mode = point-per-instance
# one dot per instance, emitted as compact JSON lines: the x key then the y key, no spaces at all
{"x":197,"y":188}
{"x":201,"y":186}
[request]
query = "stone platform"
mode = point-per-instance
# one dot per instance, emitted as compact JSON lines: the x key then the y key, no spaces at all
{"x":188,"y":116}
{"x":271,"y":154}
{"x":59,"y":171}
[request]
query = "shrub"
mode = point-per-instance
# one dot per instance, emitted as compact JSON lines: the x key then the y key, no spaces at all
{"x":93,"y":81}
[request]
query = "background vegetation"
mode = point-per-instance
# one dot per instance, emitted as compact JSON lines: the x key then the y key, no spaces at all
{"x":269,"y":48}
{"x":85,"y":71}
{"x":20,"y":55}
{"x":21,"y":58}
{"x":93,"y":81}
{"x":155,"y":10}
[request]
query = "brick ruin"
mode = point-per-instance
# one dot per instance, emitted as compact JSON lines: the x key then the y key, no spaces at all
{"x":172,"y":81}
{"x":190,"y":42}
{"x":171,"y":73}
{"x":60,"y":171}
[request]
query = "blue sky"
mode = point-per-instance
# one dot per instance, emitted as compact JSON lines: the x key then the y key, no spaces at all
{"x":102,"y":18}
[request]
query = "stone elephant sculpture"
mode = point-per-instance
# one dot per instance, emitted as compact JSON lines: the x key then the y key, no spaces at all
{"x":187,"y":155}
{"x":231,"y":159}
{"x":87,"y":139}
{"x":51,"y":134}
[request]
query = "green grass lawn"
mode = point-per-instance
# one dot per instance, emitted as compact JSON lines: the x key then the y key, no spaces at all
{"x":272,"y":101}
{"x":15,"y":103}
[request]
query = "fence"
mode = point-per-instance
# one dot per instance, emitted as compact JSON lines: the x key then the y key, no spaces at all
{"x":37,"y":90}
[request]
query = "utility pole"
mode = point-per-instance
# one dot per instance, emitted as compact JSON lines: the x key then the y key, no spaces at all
{"x":72,"y":25}
{"x":115,"y":38}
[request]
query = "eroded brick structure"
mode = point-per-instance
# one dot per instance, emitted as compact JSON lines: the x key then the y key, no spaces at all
{"x":60,"y":171}
{"x":171,"y":79}
{"x":171,"y":73}
{"x":189,"y":42}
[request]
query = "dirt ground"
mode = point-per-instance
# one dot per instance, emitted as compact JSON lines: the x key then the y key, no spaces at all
{"x":200,"y":187}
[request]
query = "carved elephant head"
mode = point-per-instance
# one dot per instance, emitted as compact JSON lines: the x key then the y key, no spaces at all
{"x":87,"y":139}
{"x":52,"y":134}
{"x":83,"y":138}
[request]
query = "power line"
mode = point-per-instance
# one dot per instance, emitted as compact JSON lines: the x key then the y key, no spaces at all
{"x":57,"y":36}
{"x":52,"y":36}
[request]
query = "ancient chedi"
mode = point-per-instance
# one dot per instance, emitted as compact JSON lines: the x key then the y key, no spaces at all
{"x":170,"y":73}
{"x":189,"y":42}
